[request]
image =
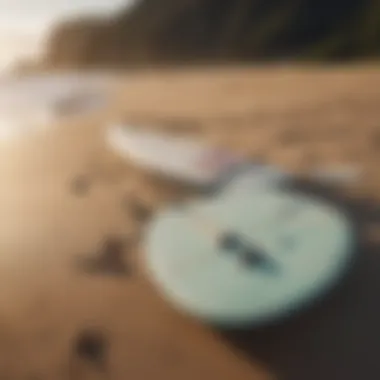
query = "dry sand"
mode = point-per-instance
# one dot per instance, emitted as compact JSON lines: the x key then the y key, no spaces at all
{"x":297,"y":117}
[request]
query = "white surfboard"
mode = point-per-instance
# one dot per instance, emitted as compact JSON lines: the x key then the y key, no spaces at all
{"x":190,"y":161}
{"x":218,"y":170}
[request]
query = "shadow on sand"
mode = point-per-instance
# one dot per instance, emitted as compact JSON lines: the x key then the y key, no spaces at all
{"x":340,"y":337}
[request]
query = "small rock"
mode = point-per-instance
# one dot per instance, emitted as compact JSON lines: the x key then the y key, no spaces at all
{"x":91,"y":345}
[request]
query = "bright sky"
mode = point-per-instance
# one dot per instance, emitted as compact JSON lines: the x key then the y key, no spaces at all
{"x":23,"y":23}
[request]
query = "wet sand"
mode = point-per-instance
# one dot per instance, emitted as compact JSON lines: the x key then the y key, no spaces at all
{"x":297,"y":117}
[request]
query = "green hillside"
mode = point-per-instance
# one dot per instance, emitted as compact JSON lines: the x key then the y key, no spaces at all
{"x":175,"y":31}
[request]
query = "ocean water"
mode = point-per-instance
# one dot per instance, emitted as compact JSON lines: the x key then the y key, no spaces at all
{"x":29,"y":104}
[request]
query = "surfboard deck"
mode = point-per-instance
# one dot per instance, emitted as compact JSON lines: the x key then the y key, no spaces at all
{"x":300,"y":246}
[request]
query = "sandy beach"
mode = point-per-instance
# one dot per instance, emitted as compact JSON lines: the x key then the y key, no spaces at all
{"x":297,"y":117}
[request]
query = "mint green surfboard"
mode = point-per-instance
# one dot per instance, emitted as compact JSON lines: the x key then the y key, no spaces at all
{"x":248,"y":259}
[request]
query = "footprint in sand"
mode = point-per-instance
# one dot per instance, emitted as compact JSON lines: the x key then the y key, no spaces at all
{"x":109,"y":260}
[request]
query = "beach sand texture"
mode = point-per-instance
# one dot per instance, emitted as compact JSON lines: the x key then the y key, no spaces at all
{"x":297,"y":117}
